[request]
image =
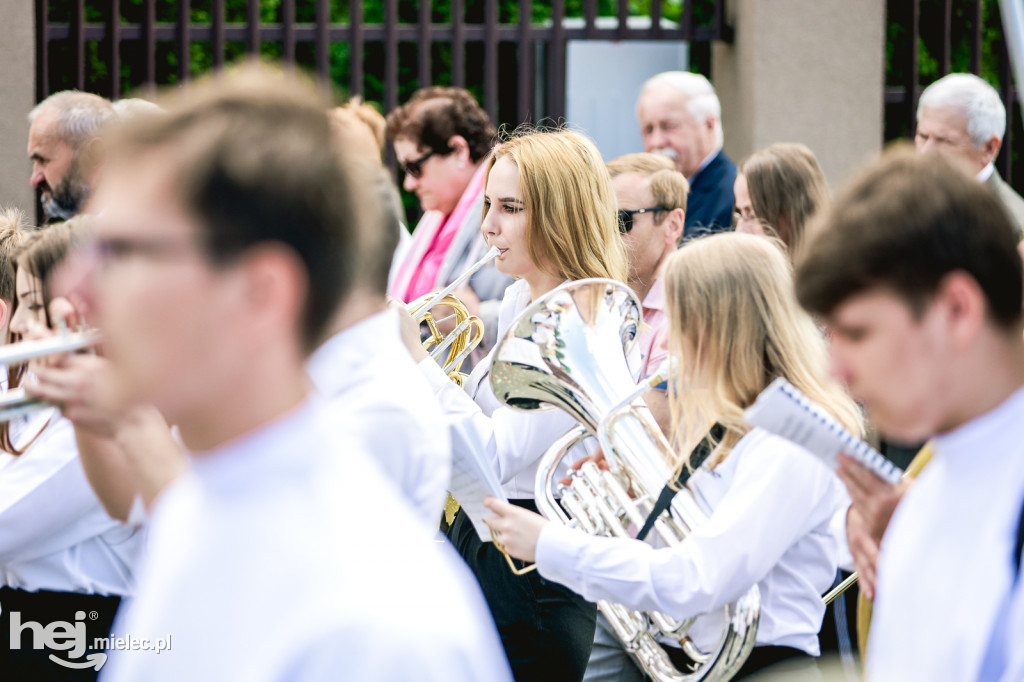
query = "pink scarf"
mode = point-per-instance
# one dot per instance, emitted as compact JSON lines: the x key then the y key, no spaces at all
{"x":431,"y":240}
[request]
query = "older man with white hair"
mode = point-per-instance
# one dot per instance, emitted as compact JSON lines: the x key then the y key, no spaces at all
{"x":962,"y":116}
{"x":61,"y":136}
{"x":680,"y":116}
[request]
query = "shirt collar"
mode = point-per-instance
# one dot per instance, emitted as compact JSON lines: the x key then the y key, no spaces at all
{"x":999,"y":423}
{"x":985,"y":173}
{"x":281,"y":447}
{"x":339,"y":357}
{"x":703,"y":164}
{"x":655,"y":299}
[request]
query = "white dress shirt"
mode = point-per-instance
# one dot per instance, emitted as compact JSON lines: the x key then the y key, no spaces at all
{"x":376,"y":394}
{"x":261,"y":568}
{"x":54,"y":532}
{"x":513,"y":440}
{"x":1012,"y":632}
{"x":401,"y":250}
{"x":944,"y":567}
{"x":772,"y":503}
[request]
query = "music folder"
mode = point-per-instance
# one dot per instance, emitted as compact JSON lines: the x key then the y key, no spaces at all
{"x":783,"y":410}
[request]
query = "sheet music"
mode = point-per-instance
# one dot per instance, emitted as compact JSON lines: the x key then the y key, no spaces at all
{"x":473,"y":479}
{"x":785,"y":411}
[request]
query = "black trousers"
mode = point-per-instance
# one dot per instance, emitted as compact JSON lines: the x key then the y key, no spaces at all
{"x":546,"y":628}
{"x":25,"y":609}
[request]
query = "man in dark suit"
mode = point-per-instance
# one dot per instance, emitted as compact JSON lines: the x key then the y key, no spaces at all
{"x":961,"y":115}
{"x":680,"y":116}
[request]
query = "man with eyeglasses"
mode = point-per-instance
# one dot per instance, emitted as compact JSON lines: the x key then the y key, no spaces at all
{"x":235,"y":228}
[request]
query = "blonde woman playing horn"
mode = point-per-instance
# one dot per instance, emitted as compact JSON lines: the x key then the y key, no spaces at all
{"x":734,"y":326}
{"x":549,"y":207}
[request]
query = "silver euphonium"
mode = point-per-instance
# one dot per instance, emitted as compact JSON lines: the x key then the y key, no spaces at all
{"x":569,"y":350}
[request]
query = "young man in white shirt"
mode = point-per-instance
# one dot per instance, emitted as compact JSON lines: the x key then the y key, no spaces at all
{"x":376,"y":392}
{"x":916,"y":274}
{"x":229,"y":241}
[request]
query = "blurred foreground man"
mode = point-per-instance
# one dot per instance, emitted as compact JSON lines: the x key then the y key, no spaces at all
{"x":916,"y":273}
{"x":228,"y":239}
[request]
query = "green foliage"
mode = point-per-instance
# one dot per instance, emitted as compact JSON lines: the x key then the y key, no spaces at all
{"x":200,"y":54}
{"x":931,"y":40}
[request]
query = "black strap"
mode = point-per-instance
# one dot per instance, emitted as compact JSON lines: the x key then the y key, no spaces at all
{"x":1018,"y":546}
{"x":697,"y":457}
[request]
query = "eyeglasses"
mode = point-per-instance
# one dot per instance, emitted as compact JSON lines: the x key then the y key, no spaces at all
{"x":114,"y":249}
{"x":415,"y":168}
{"x":626,"y":217}
{"x":746,"y":216}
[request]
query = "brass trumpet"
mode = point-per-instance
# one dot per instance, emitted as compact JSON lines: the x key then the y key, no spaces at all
{"x":15,"y":402}
{"x":468,"y":332}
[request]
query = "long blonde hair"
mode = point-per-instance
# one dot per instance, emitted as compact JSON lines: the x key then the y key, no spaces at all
{"x":735,"y":325}
{"x":573,"y":225}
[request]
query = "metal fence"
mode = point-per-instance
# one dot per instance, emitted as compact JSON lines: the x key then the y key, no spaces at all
{"x":379,"y":50}
{"x":928,"y":39}
{"x":510,"y":53}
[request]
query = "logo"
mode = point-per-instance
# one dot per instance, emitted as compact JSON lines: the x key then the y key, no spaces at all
{"x":59,"y":636}
{"x":71,"y":638}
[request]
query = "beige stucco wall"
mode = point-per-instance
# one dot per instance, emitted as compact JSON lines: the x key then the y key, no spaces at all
{"x":808,"y":71}
{"x":17,"y":83}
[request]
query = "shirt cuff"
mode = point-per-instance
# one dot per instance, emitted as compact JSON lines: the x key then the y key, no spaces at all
{"x":838,"y":530}
{"x":557,"y":549}
{"x":436,"y":377}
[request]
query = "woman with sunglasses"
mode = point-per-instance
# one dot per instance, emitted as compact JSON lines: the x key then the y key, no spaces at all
{"x":441,"y":138}
{"x":549,"y":208}
{"x":61,"y":554}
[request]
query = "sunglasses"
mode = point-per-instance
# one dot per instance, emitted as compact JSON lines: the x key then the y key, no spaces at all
{"x":415,"y":168}
{"x":626,"y":217}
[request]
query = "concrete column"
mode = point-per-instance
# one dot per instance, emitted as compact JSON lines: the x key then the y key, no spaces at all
{"x":18,"y":88}
{"x":810,"y":71}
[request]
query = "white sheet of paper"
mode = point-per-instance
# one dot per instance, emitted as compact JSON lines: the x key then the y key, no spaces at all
{"x":786,"y":412}
{"x":473,"y":479}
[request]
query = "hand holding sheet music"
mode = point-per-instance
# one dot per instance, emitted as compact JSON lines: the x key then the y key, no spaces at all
{"x":785,"y":411}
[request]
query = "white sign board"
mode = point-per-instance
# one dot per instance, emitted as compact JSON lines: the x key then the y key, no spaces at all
{"x":603,"y":80}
